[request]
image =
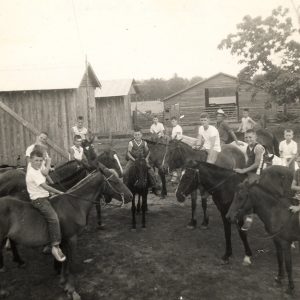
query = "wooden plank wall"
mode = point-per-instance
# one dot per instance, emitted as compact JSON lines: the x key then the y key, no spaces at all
{"x":113,"y":115}
{"x":52,"y":111}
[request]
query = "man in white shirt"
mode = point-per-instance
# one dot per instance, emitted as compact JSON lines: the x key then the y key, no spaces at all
{"x":157,"y":127}
{"x":288,"y":150}
{"x":176,"y":130}
{"x":209,"y":138}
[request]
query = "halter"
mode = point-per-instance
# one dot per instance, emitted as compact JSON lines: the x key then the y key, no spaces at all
{"x":106,"y":179}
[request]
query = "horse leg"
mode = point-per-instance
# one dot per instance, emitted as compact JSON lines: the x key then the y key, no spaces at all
{"x":162,"y":176}
{"x":133,"y":209}
{"x":144,"y":206}
{"x":99,"y":215}
{"x":138,"y":209}
{"x":204,"y":197}
{"x":16,"y":256}
{"x":248,"y":252}
{"x":288,"y":265}
{"x":227,"y":231}
{"x":2,"y":268}
{"x":279,"y":254}
{"x":193,"y":223}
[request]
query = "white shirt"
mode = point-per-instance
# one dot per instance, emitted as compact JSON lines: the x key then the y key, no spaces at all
{"x":34,"y":178}
{"x":157,"y":128}
{"x":246,"y":124}
{"x":80,"y":131}
{"x":30,"y":149}
{"x":209,"y":133}
{"x":78,"y":153}
{"x":177,"y":132}
{"x":288,"y":150}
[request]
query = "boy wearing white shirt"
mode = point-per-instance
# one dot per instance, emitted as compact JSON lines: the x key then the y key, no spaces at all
{"x":246,"y":122}
{"x":38,"y":191}
{"x":209,"y":138}
{"x":288,"y":150}
{"x":157,"y":127}
{"x":177,"y":129}
{"x":41,"y":140}
{"x":79,"y":129}
{"x":76,"y":151}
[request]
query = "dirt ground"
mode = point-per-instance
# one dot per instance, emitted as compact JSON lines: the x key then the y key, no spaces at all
{"x":164,"y":262}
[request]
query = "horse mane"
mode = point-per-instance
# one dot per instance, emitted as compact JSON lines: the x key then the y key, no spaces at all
{"x":83,"y":181}
{"x":198,"y":164}
{"x":66,"y":164}
{"x":156,"y":141}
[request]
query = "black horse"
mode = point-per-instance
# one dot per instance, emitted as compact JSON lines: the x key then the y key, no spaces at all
{"x":23,"y":225}
{"x":138,"y":184}
{"x":180,"y":153}
{"x":221,"y":183}
{"x":280,"y":223}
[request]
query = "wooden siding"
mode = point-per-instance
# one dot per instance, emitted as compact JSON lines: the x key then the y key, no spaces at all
{"x":113,"y":114}
{"x":53,"y":111}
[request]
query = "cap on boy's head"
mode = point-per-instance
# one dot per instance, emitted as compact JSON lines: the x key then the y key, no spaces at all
{"x":77,"y":138}
{"x":36,"y":153}
{"x":80,"y":118}
{"x":221,"y":112}
{"x":137,"y":129}
{"x":246,"y":109}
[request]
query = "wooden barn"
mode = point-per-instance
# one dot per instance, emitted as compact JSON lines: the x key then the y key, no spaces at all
{"x":113,"y":106}
{"x":44,"y":99}
{"x":219,"y":91}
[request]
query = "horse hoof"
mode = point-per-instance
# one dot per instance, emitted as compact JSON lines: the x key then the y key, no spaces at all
{"x":247,"y":261}
{"x":101,"y":227}
{"x":278,"y":280}
{"x":133,"y":229}
{"x":204,"y":227}
{"x":3,"y":270}
{"x":162,"y":197}
{"x":74,"y":296}
{"x":144,"y":228}
{"x":4,"y":293}
{"x":22,"y":265}
{"x":189,"y":226}
{"x":290,"y":291}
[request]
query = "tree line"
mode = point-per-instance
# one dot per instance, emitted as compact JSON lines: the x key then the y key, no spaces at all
{"x":159,"y":88}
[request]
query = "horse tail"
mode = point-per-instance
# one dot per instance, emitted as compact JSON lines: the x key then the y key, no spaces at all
{"x":275,"y":145}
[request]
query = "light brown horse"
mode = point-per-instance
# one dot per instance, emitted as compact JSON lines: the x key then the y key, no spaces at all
{"x":23,"y":224}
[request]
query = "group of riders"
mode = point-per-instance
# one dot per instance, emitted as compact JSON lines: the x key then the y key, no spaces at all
{"x":210,"y":138}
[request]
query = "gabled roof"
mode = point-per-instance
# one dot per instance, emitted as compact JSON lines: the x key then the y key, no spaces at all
{"x":46,"y":78}
{"x":201,"y":82}
{"x":117,"y":87}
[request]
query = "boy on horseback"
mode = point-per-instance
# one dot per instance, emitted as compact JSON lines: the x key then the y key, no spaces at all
{"x":176,"y":130}
{"x":209,"y":138}
{"x":157,"y":127}
{"x":137,"y":147}
{"x":224,"y":129}
{"x":79,"y":129}
{"x":255,"y":152}
{"x":38,"y":191}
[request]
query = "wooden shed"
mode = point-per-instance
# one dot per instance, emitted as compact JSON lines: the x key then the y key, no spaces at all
{"x":44,"y":99}
{"x":219,"y":91}
{"x":113,"y":106}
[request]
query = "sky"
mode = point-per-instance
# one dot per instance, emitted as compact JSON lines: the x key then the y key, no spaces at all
{"x":137,"y":39}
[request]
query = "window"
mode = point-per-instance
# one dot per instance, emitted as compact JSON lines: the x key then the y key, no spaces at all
{"x":220,"y":96}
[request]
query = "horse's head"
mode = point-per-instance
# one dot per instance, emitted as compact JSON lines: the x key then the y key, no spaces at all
{"x":176,"y":155}
{"x":89,"y":150}
{"x":138,"y":174}
{"x":188,"y":182}
{"x":110,"y":159}
{"x":114,"y":187}
{"x":241,"y":204}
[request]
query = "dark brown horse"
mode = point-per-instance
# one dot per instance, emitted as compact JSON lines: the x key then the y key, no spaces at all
{"x":221,"y":183}
{"x":23,"y":225}
{"x":282,"y":225}
{"x":180,"y":153}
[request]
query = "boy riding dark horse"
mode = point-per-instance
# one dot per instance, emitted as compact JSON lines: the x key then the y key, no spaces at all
{"x":255,"y":153}
{"x":138,"y":148}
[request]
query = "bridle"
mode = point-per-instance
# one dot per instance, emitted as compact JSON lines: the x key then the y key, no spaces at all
{"x":106,"y":179}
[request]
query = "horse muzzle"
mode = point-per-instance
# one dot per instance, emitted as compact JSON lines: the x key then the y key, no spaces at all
{"x":180,"y":197}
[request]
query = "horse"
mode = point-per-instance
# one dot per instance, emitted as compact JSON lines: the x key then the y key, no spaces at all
{"x":138,"y":184}
{"x":221,"y":183}
{"x":23,"y":224}
{"x":280,"y":223}
{"x":264,"y":137}
{"x":180,"y":153}
{"x":109,"y":159}
{"x":158,"y":153}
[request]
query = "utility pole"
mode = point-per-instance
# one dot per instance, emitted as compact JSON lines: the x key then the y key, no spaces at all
{"x":297,"y":11}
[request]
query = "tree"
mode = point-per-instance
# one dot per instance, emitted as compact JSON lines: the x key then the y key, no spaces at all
{"x":267,"y":45}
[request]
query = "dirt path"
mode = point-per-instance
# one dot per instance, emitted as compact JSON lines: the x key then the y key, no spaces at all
{"x":165,"y":261}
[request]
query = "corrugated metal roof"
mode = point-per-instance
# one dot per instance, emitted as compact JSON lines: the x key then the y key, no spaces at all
{"x":114,"y":88}
{"x":45,"y":78}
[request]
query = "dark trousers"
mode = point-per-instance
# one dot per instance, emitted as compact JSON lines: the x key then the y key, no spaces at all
{"x":47,"y":211}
